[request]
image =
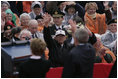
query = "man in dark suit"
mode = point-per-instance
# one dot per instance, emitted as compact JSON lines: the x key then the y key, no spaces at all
{"x":80,"y":60}
{"x":57,"y":18}
{"x":58,"y":48}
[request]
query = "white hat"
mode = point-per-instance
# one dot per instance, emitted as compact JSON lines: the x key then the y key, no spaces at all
{"x":60,"y":32}
{"x":34,"y":3}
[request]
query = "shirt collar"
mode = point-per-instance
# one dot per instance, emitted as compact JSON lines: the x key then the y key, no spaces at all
{"x":111,"y":32}
{"x":35,"y":57}
{"x":35,"y":14}
{"x":57,"y":27}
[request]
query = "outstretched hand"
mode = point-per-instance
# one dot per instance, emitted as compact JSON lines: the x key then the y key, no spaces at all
{"x":46,"y":19}
{"x":73,"y":25}
{"x":70,"y":3}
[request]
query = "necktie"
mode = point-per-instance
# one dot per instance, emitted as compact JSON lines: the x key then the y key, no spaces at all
{"x":59,"y":28}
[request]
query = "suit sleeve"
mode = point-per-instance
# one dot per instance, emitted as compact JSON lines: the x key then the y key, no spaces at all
{"x":92,"y":40}
{"x":47,"y":37}
{"x":69,"y":68}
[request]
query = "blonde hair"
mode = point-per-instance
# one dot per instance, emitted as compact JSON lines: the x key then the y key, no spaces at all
{"x":37,"y":46}
{"x":90,"y":4}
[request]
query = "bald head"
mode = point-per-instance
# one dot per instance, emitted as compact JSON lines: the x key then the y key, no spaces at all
{"x":33,"y":26}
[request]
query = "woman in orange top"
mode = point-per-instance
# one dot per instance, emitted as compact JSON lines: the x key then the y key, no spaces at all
{"x":94,"y":21}
{"x":101,"y":52}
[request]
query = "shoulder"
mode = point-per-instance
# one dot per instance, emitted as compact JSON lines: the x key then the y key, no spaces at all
{"x":101,"y":15}
{"x":30,"y":13}
{"x":47,"y":62}
{"x":25,"y":64}
{"x":53,"y":26}
{"x":74,"y":50}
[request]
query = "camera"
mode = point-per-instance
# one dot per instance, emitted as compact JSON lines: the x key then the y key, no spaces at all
{"x":27,"y":38}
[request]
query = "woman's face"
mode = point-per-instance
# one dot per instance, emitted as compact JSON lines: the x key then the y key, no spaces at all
{"x":71,"y":11}
{"x":40,"y":22}
{"x":91,"y":10}
{"x":24,"y":21}
{"x":8,"y":17}
{"x":4,"y":7}
{"x":37,"y":11}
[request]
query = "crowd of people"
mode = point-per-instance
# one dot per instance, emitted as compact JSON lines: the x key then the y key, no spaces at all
{"x":72,"y":34}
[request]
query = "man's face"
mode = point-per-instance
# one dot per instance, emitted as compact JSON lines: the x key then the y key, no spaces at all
{"x":8,"y":17}
{"x":33,"y":28}
{"x":60,"y":38}
{"x":71,"y":11}
{"x":37,"y":11}
{"x":112,"y":27}
{"x":58,"y":20}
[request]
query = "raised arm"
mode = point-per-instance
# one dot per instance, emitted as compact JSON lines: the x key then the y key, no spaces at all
{"x":47,"y":36}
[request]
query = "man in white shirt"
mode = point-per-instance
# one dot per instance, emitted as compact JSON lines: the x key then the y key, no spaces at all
{"x":33,"y":28}
{"x":111,"y":34}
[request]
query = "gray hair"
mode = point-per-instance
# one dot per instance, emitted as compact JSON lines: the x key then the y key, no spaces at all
{"x":78,"y":19}
{"x":24,"y":15}
{"x":81,"y":35}
{"x":32,"y":21}
{"x":6,"y":2}
{"x":25,"y":31}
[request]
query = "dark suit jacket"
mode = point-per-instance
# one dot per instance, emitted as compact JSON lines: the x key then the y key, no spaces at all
{"x":57,"y":54}
{"x":79,"y":63}
{"x":92,"y":39}
{"x":34,"y":68}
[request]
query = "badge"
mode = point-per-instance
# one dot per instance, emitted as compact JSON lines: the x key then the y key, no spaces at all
{"x":8,"y":27}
